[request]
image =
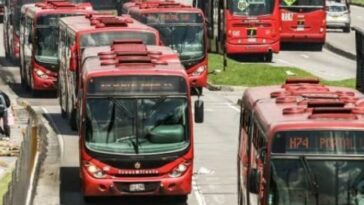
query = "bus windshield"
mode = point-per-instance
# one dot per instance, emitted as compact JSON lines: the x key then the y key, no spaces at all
{"x":106,"y":38}
{"x":317,"y":167}
{"x":251,"y":7}
{"x":302,"y":3}
{"x":137,"y":126}
{"x":150,"y":124}
{"x":47,"y":31}
{"x":339,"y":182}
{"x":183,"y":32}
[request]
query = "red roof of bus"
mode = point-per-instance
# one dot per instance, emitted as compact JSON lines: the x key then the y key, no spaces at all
{"x":101,"y":22}
{"x":156,"y":6}
{"x":56,"y":6}
{"x":131,"y":57}
{"x":301,"y":104}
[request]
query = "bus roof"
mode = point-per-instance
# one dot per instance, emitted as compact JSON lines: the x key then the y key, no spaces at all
{"x":302,"y":103}
{"x":102,"y":22}
{"x":128,"y":57}
{"x":56,"y":6}
{"x":159,"y":6}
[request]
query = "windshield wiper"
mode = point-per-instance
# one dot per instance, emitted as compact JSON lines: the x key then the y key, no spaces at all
{"x":112,"y":122}
{"x":311,"y":177}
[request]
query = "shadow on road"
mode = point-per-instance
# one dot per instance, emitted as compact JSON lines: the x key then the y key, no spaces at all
{"x":59,"y":124}
{"x":301,"y":47}
{"x":249,"y":58}
{"x":70,"y":193}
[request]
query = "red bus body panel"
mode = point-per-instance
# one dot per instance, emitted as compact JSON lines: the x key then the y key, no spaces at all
{"x":314,"y":30}
{"x":267,"y":37}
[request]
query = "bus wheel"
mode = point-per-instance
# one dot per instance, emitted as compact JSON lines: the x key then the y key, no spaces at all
{"x":72,"y":120}
{"x":89,"y":199}
{"x":318,"y":46}
{"x":346,"y":29}
{"x":268,"y":57}
{"x":181,"y":199}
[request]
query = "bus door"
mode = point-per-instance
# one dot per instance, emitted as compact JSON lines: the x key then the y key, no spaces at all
{"x":28,"y":44}
{"x":245,"y":136}
{"x":256,"y":181}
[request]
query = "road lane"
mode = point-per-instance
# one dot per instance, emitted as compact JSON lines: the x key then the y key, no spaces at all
{"x":346,"y":41}
{"x":325,"y":64}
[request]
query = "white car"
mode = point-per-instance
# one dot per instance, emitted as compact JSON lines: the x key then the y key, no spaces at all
{"x":338,"y":16}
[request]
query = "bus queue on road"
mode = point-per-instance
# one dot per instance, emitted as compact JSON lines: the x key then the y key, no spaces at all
{"x":126,"y":83}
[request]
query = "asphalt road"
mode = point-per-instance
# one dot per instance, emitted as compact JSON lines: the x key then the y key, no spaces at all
{"x":346,"y":41}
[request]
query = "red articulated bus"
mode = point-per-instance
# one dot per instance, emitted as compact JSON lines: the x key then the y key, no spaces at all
{"x":39,"y":34}
{"x":141,"y":142}
{"x":243,"y":27}
{"x":182,"y":28}
{"x":301,"y":143}
{"x":79,"y":32}
{"x":11,"y":25}
{"x":303,"y":21}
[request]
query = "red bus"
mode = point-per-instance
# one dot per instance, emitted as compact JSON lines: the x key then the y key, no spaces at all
{"x":141,"y":142}
{"x":303,"y":21}
{"x":77,"y":33}
{"x":39,"y":34}
{"x":301,"y":143}
{"x":243,"y":27}
{"x":11,"y":24}
{"x":182,"y":28}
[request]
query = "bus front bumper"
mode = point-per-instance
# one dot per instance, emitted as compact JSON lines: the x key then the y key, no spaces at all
{"x":252,"y":48}
{"x":120,"y":186}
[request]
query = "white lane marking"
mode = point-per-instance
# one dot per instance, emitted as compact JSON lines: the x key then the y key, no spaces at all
{"x":59,"y":136}
{"x":198,"y":194}
{"x":285,"y":62}
{"x":233,"y":107}
{"x":305,"y":56}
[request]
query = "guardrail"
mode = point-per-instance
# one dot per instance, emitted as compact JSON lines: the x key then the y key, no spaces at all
{"x":359,"y":41}
{"x":21,"y":187}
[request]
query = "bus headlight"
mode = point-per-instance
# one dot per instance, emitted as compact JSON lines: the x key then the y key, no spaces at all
{"x":95,"y":171}
{"x":179,"y":170}
{"x":40,"y":73}
{"x":199,"y":70}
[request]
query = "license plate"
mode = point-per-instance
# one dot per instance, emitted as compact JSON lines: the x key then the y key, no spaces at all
{"x":300,"y":28}
{"x":136,"y":187}
{"x":252,"y":40}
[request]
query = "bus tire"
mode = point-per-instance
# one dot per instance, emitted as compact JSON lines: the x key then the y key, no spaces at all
{"x":346,"y":29}
{"x":181,"y":198}
{"x":319,"y":46}
{"x":72,"y":120}
{"x":268,"y":57}
{"x":89,"y":199}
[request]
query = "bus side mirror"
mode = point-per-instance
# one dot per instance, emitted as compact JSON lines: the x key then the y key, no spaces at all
{"x":73,"y":59}
{"x":199,"y":111}
{"x":254,"y":180}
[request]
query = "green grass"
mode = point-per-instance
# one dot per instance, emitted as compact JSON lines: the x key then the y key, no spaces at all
{"x":4,"y":182}
{"x":256,"y":74}
{"x":358,"y":2}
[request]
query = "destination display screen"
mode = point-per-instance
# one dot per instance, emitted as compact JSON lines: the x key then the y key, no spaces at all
{"x":327,"y":142}
{"x":137,"y":85}
{"x":173,"y":18}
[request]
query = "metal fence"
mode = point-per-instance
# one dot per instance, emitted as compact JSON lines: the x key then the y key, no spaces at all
{"x":20,"y":190}
{"x":359,"y":39}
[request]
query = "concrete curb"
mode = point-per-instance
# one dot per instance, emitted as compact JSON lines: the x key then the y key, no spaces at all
{"x":212,"y":87}
{"x":356,"y":4}
{"x":340,"y":51}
